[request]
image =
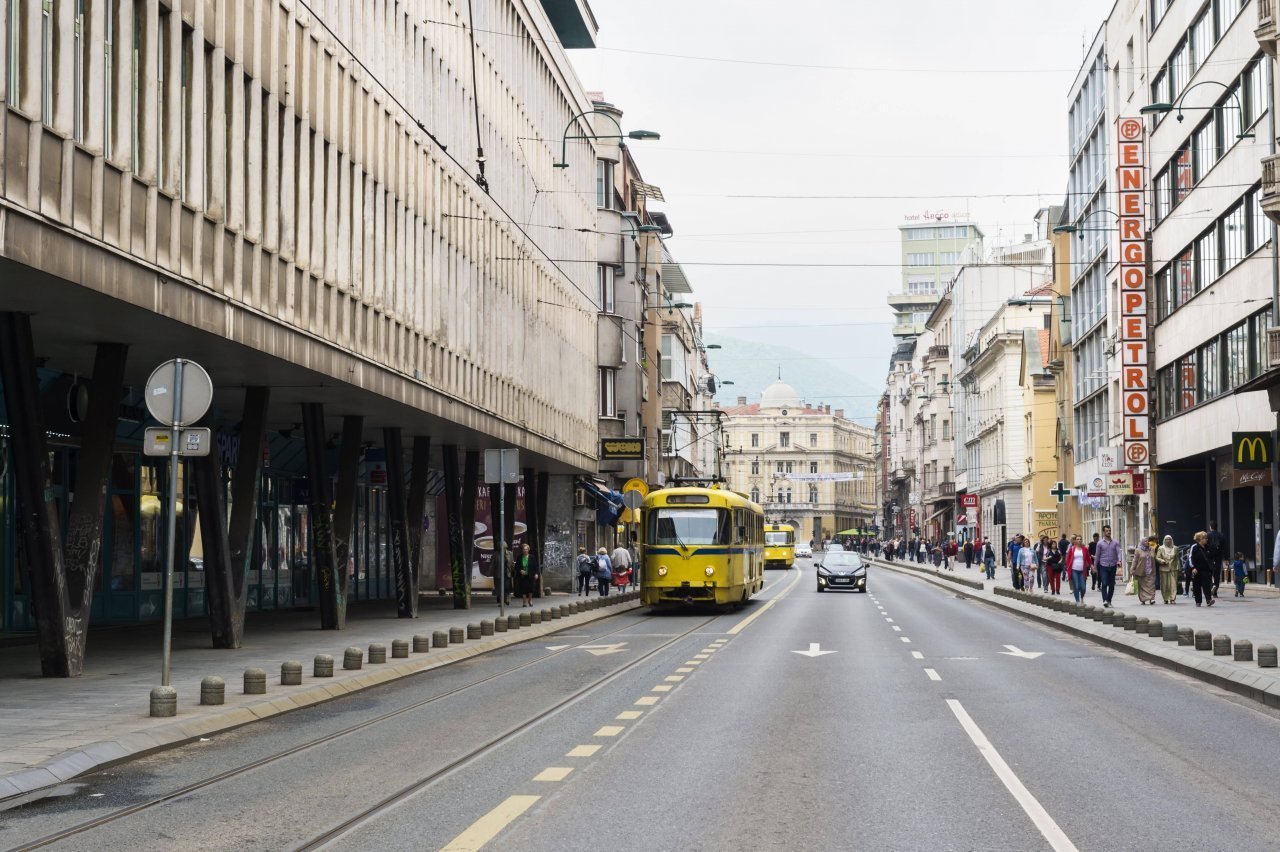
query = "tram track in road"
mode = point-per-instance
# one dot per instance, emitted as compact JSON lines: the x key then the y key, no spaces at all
{"x":385,"y":805}
{"x":227,"y":775}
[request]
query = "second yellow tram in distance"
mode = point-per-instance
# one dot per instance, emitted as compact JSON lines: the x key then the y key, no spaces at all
{"x":701,"y":546}
{"x":779,"y":545}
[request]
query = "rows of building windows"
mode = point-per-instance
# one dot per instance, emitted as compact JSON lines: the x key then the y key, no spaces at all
{"x":1089,"y":299}
{"x":1212,"y":139}
{"x":1090,"y":356}
{"x":1191,"y":51}
{"x":1088,"y":105}
{"x":1091,"y":425}
{"x":946,"y":232}
{"x":1215,"y":367}
{"x":1091,"y":239}
{"x":1088,"y":173}
{"x":920,"y":258}
{"x":1239,"y":232}
{"x":922,"y":287}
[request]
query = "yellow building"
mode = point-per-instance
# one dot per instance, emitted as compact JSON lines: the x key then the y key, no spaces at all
{"x":1037,"y":381}
{"x":1060,"y":364}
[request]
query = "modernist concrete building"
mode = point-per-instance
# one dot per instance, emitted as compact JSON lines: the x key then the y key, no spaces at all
{"x":286,"y":194}
{"x":930,"y":254}
{"x":807,"y":465}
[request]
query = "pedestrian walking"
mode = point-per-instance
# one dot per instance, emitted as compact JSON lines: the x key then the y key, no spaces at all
{"x":1170,"y":565}
{"x":604,"y":571}
{"x":1143,"y":570}
{"x":1107,"y":556}
{"x":508,"y":572}
{"x":1053,"y":568}
{"x":1027,"y":565}
{"x":621,"y":558}
{"x":1237,"y":571}
{"x":1042,"y":549}
{"x":585,"y":568}
{"x":526,"y":575}
{"x":1201,"y":570}
{"x":989,"y":558}
{"x":1093,"y":552}
{"x":1079,"y":562}
{"x":968,"y":554}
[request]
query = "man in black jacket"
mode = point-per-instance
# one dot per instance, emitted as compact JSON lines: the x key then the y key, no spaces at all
{"x":1216,"y":550}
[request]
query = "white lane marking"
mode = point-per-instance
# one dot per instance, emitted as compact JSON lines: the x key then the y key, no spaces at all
{"x":917,"y":655}
{"x":897,"y":629}
{"x":491,"y":824}
{"x":1030,"y":805}
{"x":932,"y":674}
{"x":905,"y":639}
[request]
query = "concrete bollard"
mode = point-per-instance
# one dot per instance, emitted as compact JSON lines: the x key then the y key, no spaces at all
{"x":526,"y":619}
{"x":535,"y":617}
{"x":513,"y":622}
{"x":564,"y":610}
{"x":1085,"y":611}
{"x":1155,"y":628}
{"x":1098,"y":612}
{"x":573,"y":608}
{"x":377,"y":652}
{"x":352,"y":658}
{"x":1169,"y":633}
{"x":1267,"y":656}
{"x":500,"y":625}
{"x":213,"y":690}
{"x":1186,"y":636}
{"x":255,"y":682}
{"x":421,"y":643}
{"x":554,"y":612}
{"x":322,"y":666}
{"x":1243,"y":651}
{"x":291,"y":673}
{"x":486,"y":628}
{"x":1140,"y":625}
{"x":164,"y":702}
{"x":1130,"y":621}
{"x":439,"y":639}
{"x":1221,"y":645}
{"x":457,"y":636}
{"x":473,"y":631}
{"x":399,"y":648}
{"x":1204,"y":640}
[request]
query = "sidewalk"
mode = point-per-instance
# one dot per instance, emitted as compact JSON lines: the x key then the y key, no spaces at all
{"x":1253,"y":617}
{"x":52,"y":729}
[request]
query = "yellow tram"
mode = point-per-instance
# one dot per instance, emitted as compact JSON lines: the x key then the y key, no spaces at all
{"x":779,"y":545}
{"x":701,"y":546}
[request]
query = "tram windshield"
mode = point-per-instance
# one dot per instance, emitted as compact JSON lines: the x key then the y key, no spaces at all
{"x":690,"y":526}
{"x":779,"y":538}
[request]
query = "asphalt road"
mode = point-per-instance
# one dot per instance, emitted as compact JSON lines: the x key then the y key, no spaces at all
{"x":694,"y":731}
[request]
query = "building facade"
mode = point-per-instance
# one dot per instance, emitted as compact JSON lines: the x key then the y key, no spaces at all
{"x":930,"y":254}
{"x":808,"y":466}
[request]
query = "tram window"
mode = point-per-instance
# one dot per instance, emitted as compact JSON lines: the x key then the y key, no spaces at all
{"x":691,"y":526}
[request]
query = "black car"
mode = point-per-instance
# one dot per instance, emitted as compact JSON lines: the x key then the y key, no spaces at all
{"x":842,"y":569}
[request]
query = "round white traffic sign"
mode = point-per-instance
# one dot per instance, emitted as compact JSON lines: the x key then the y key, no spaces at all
{"x":197,"y":393}
{"x":632,"y":499}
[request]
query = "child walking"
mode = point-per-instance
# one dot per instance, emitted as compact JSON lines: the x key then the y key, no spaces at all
{"x":1237,"y":570}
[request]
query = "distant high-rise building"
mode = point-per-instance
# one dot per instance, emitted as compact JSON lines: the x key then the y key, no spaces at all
{"x":930,"y":254}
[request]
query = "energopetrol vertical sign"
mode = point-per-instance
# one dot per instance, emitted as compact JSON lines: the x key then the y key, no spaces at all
{"x":1134,"y":385}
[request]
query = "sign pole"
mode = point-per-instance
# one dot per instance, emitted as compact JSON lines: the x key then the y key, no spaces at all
{"x":499,"y":537}
{"x":175,"y":429}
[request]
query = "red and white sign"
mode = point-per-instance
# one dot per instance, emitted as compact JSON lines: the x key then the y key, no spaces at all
{"x":969,"y":501}
{"x":1135,"y":388}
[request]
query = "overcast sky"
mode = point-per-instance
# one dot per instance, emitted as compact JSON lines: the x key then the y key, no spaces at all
{"x":936,"y":105}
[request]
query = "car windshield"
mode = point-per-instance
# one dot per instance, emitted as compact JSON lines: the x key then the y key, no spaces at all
{"x":842,"y":559}
{"x":689,"y":526}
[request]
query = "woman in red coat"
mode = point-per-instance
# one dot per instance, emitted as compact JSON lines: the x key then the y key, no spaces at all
{"x":1077,"y":562}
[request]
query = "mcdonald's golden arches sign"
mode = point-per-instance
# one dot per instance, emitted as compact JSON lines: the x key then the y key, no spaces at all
{"x":1251,"y":450}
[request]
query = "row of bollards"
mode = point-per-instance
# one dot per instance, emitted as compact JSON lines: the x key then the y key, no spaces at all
{"x":213,"y":690}
{"x":1201,"y":640}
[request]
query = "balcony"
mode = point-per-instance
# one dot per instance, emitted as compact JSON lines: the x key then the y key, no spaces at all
{"x":1273,"y":347}
{"x":1266,"y":31}
{"x":1271,"y":187}
{"x":939,"y":351}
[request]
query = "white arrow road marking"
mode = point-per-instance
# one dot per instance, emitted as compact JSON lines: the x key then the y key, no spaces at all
{"x":1026,"y":655}
{"x":602,"y":650}
{"x":815,"y":650}
{"x":556,"y":647}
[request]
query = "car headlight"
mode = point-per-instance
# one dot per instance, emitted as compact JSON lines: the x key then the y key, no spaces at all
{"x":662,"y":570}
{"x":710,"y":571}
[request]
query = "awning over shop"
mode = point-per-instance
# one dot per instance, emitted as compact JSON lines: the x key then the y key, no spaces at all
{"x":608,"y":503}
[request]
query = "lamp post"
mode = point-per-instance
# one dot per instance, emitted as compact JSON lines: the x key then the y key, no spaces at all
{"x":1079,"y":229}
{"x":1160,"y":107}
{"x":565,"y":137}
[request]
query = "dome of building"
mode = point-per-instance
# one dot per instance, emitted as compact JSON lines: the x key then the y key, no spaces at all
{"x":779,"y":395}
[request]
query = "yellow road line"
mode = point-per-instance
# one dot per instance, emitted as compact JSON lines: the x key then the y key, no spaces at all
{"x":673,"y":678}
{"x":684,"y":670}
{"x":628,"y":715}
{"x":488,"y":826}
{"x":583,"y":751}
{"x":609,"y":731}
{"x":553,"y":773}
{"x":742,"y":625}
{"x":647,"y":701}
{"x":662,"y":687}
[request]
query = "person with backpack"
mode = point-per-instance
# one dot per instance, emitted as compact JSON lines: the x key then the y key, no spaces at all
{"x":604,"y":571}
{"x":1216,"y":550}
{"x":1238,"y":572}
{"x":585,"y":569}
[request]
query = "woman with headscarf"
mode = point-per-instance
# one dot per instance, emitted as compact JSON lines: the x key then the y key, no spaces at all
{"x":1143,"y":569}
{"x":1169,"y":565}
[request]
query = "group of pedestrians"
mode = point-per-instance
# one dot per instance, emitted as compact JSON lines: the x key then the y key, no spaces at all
{"x":608,"y":570}
{"x":940,"y":553}
{"x":1152,"y":567}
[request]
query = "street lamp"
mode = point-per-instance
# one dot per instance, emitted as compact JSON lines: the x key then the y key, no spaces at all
{"x":1159,"y":108}
{"x":670,"y":305}
{"x":565,"y":137}
{"x":1077,"y":229}
{"x":726,"y":382}
{"x":713,"y":346}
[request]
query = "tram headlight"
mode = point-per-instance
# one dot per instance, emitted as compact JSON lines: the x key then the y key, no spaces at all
{"x":662,"y":570}
{"x":710,"y":570}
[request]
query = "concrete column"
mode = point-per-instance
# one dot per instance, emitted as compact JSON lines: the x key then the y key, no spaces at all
{"x":344,"y":510}
{"x":332,"y":583}
{"x":401,"y":560}
{"x":459,"y":561}
{"x":417,"y":501}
